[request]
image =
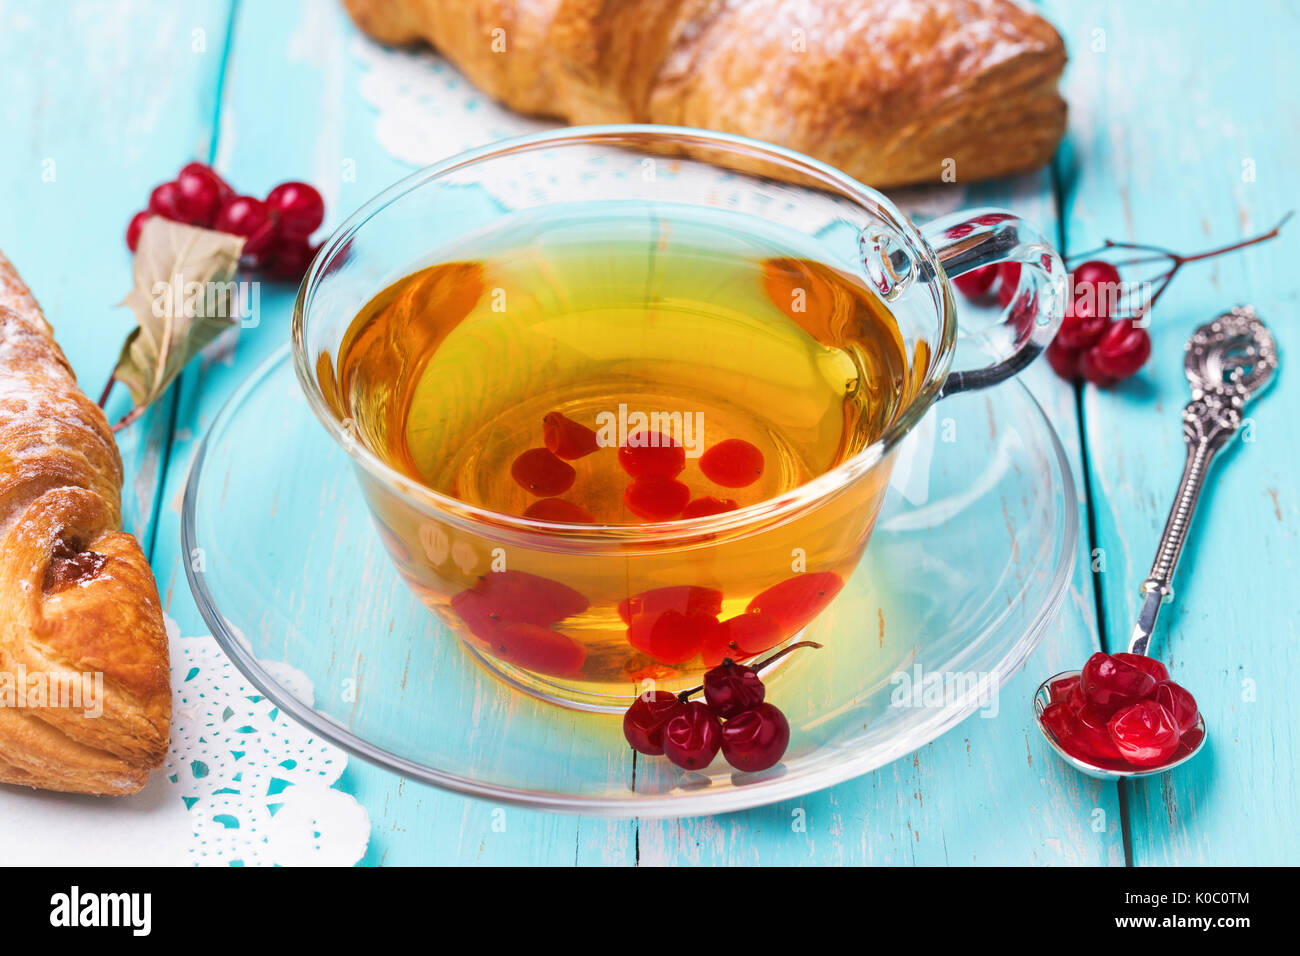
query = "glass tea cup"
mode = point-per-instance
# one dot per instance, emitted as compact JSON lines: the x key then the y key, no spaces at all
{"x":589,"y":614}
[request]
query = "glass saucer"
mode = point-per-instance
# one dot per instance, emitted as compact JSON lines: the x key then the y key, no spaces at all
{"x":969,"y":561}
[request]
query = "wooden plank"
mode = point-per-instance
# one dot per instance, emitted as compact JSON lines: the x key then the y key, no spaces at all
{"x":304,"y":51}
{"x":99,"y":105}
{"x":1183,"y":136}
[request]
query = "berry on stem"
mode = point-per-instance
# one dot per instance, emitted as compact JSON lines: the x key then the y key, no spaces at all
{"x":730,"y":688}
{"x":756,"y":739}
{"x":1122,"y":350}
{"x":198,"y":194}
{"x":298,"y":208}
{"x":643,"y":724}
{"x":134,"y":228}
{"x":693,"y":736}
{"x":248,"y":217}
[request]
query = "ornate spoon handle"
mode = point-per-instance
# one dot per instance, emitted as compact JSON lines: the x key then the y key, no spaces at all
{"x":1228,"y":361}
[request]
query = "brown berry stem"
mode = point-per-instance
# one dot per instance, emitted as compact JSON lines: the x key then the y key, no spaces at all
{"x":108,"y":388}
{"x":686,"y":695}
{"x":1176,"y":260}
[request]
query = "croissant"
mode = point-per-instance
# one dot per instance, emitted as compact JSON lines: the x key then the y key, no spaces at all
{"x":85,"y":701}
{"x":892,"y":92}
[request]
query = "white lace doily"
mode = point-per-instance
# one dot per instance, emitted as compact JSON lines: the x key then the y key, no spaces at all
{"x":243,"y":785}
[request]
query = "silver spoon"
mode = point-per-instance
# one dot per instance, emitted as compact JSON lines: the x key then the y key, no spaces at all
{"x":1228,"y":362}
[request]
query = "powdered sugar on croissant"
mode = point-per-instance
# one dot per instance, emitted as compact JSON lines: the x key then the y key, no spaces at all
{"x":85,"y":701}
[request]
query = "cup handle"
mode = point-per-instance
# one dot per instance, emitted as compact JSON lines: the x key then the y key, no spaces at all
{"x":970,"y":240}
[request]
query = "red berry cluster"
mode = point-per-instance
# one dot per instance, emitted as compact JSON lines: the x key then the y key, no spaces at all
{"x":277,"y":229}
{"x":653,"y":461}
{"x":1122,"y":711}
{"x":1091,"y":344}
{"x":733,"y":717}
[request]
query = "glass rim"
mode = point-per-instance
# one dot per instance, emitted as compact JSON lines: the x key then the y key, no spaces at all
{"x":821,"y":488}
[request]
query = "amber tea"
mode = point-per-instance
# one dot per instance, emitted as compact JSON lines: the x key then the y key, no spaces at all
{"x":633,"y":371}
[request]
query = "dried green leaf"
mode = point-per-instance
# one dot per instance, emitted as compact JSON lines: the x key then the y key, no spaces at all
{"x":184,"y":297}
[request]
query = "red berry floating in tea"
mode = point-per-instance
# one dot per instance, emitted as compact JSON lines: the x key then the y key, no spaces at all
{"x":566,"y":438}
{"x":671,"y":637}
{"x":656,"y":499}
{"x":539,"y":472}
{"x":559,"y":511}
{"x":708,"y":505}
{"x":652,"y":455}
{"x":538,"y":649}
{"x":733,"y":463}
{"x":796,"y":601}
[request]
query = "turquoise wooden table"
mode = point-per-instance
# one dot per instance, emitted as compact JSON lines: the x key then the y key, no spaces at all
{"x":1182,"y":133}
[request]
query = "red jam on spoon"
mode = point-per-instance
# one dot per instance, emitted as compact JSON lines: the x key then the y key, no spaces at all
{"x":1122,"y":712}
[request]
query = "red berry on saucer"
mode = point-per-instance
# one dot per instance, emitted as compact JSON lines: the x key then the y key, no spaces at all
{"x":730,"y":688}
{"x":692,"y":737}
{"x":643,"y":724}
{"x":756,"y":739}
